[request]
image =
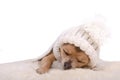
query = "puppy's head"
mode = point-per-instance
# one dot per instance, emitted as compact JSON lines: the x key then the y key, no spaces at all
{"x":73,"y":57}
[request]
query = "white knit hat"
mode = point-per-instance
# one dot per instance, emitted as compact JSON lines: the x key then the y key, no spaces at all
{"x":88,"y":37}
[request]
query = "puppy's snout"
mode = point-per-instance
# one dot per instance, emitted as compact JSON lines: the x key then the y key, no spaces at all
{"x":67,"y":65}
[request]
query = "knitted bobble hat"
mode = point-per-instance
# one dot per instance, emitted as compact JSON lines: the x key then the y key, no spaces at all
{"x":88,"y":37}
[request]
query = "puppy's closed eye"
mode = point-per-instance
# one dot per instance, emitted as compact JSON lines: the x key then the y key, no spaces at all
{"x":80,"y":61}
{"x":65,"y":52}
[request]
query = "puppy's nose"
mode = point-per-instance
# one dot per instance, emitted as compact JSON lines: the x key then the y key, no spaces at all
{"x":67,"y":65}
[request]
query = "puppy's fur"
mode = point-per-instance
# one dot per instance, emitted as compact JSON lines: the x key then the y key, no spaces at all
{"x":71,"y":57}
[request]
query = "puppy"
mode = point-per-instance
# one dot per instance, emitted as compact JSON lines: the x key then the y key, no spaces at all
{"x":71,"y":57}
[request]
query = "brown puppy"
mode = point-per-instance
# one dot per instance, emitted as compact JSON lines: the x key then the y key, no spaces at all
{"x":71,"y":57}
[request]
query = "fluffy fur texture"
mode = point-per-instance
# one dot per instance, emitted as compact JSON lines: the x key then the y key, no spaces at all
{"x":25,"y":70}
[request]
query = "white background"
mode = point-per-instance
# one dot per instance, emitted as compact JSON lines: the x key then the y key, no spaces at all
{"x":29,"y":27}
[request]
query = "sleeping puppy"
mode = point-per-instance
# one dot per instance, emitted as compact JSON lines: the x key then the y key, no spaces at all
{"x":87,"y":37}
{"x":71,"y":57}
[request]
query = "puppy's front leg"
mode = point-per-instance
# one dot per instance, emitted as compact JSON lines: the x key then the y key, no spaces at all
{"x":46,"y":63}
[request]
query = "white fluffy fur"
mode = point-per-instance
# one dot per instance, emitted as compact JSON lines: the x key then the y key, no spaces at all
{"x":25,"y":70}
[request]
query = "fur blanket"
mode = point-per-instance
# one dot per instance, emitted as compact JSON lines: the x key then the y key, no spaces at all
{"x":25,"y":70}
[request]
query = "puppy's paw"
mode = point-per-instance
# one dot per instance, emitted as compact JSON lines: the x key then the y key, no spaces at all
{"x":41,"y":70}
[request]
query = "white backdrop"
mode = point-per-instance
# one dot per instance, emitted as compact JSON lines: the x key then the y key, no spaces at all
{"x":29,"y":27}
